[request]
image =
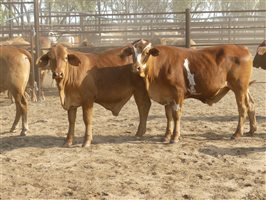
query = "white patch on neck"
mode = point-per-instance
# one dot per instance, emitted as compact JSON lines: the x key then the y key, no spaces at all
{"x":190,"y":78}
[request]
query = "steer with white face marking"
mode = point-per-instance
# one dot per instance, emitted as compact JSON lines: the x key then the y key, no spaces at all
{"x":173,"y":74}
{"x":260,"y":57}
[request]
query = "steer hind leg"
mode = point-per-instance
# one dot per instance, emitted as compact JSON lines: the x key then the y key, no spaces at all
{"x":21,"y":110}
{"x":87,"y":118}
{"x":169,"y":119}
{"x":17,"y":117}
{"x":177,"y":113}
{"x":242,"y":110}
{"x":251,"y":114}
{"x":24,"y":113}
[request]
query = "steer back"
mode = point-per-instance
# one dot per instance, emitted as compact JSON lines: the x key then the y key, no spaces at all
{"x":200,"y":73}
{"x":102,"y":77}
{"x":216,"y":69}
{"x":260,"y":57}
{"x":14,"y":67}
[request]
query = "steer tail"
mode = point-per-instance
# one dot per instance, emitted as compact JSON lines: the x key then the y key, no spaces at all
{"x":25,"y":52}
{"x":30,"y":81}
{"x":251,"y":82}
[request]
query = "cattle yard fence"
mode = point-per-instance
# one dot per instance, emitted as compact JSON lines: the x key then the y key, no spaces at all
{"x":106,"y":30}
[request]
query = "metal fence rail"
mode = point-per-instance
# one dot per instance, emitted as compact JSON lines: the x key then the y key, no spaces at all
{"x":206,"y":28}
{"x":238,"y":26}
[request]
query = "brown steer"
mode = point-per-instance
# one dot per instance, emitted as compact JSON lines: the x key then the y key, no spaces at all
{"x":260,"y":57}
{"x":173,"y":74}
{"x":14,"y":76}
{"x":106,"y":79}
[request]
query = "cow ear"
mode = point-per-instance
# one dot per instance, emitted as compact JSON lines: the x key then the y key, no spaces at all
{"x":73,"y":59}
{"x":127,"y":51}
{"x":261,"y":50}
{"x":43,"y":61}
{"x":154,"y":52}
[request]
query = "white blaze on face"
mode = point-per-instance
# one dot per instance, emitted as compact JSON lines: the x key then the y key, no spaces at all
{"x":138,"y":55}
{"x":190,"y":77}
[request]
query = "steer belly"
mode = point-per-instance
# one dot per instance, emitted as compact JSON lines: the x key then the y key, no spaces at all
{"x":114,"y":100}
{"x":114,"y":106}
{"x":160,"y":92}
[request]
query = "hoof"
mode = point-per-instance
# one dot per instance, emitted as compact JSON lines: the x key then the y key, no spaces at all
{"x":138,"y":137}
{"x":67,"y":145}
{"x":174,"y":141}
{"x":23,"y":133}
{"x":251,"y":132}
{"x":139,"y":134}
{"x":165,"y":140}
{"x":86,"y":144}
{"x":235,"y":137}
{"x":13,"y":130}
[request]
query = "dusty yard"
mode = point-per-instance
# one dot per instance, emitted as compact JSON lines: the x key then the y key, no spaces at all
{"x":205,"y":164}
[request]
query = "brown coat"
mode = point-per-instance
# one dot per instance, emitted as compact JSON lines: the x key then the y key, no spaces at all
{"x":14,"y":76}
{"x":105,"y":78}
{"x":173,"y":74}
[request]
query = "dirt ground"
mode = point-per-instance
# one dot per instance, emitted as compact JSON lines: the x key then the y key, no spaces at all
{"x":205,"y":164}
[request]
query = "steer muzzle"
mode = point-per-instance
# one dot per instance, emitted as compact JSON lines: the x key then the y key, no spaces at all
{"x":138,"y":70}
{"x":135,"y":68}
{"x":57,"y":75}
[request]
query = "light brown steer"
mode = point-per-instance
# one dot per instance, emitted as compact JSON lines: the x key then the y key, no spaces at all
{"x":173,"y":74}
{"x":14,"y":76}
{"x":84,"y":78}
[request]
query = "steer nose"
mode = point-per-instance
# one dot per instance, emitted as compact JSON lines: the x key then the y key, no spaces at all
{"x":135,"y":68}
{"x":57,"y":75}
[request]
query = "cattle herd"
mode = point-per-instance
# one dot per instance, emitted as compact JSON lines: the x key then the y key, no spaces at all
{"x":165,"y":74}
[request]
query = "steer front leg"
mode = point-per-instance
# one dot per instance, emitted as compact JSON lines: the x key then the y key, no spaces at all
{"x":87,"y":118}
{"x":169,"y":128}
{"x":143,"y":103}
{"x":177,"y":113}
{"x":72,"y":112}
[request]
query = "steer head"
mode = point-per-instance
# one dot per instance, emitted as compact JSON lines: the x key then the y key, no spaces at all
{"x":260,"y":57}
{"x":58,"y":60}
{"x":140,"y":51}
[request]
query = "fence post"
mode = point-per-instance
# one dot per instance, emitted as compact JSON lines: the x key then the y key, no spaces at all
{"x":37,"y":43}
{"x":32,"y":73}
{"x":81,"y":22}
{"x":10,"y":35}
{"x":188,"y":23}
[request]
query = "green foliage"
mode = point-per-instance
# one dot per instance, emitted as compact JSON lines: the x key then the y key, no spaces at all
{"x":69,"y":5}
{"x":3,"y":14}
